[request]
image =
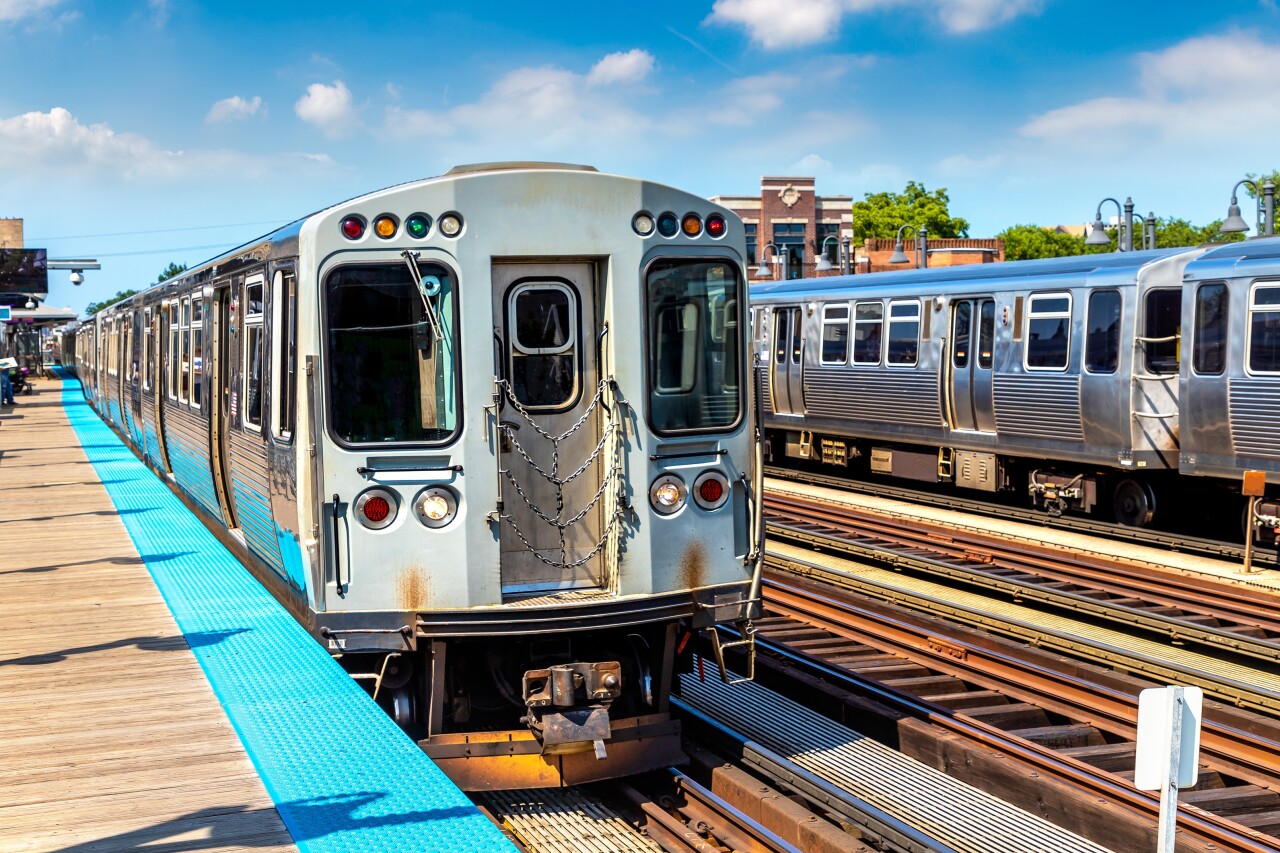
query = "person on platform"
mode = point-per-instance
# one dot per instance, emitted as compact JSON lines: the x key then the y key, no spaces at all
{"x":6,"y":387}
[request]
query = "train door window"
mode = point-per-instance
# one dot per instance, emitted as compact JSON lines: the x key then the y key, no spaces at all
{"x":283,"y":308}
{"x":781,"y":335}
{"x":986,"y":333}
{"x":252,"y":362}
{"x":835,"y":334}
{"x":392,"y":345}
{"x":1209,"y":353}
{"x":1048,"y":337}
{"x":171,"y":356}
{"x":1102,"y":334}
{"x":542,"y":320}
{"x":689,"y":376}
{"x":962,"y":334}
{"x":797,"y":336}
{"x":184,"y":334}
{"x":868,"y":321}
{"x":148,"y":349}
{"x":903,"y":347}
{"x":1161,"y":330}
{"x":1264,"y":328}
{"x":197,"y":350}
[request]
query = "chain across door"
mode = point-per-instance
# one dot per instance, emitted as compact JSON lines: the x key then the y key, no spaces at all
{"x":556,"y":453}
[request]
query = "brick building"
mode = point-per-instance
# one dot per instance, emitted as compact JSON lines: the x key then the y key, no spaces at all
{"x":801,"y":224}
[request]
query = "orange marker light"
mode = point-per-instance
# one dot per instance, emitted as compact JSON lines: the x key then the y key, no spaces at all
{"x":692,"y":225}
{"x":384,"y":227}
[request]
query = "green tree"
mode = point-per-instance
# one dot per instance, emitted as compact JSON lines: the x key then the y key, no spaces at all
{"x":1273,"y":176}
{"x":94,"y":307}
{"x":1023,"y":242}
{"x":171,"y":270}
{"x":881,"y":214}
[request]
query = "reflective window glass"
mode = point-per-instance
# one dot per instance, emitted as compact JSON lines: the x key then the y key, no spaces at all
{"x":1102,"y":337}
{"x":544,"y":361}
{"x":868,"y":320}
{"x":904,"y":333}
{"x":1264,"y":329}
{"x":1048,"y":336}
{"x":835,"y":334}
{"x":1210,"y":353}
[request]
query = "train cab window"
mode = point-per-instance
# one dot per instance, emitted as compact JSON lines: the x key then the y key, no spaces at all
{"x":254,"y":333}
{"x":172,"y":354}
{"x":284,"y":308}
{"x":1264,"y":328}
{"x":693,"y":377}
{"x":835,"y":334}
{"x":1102,"y":335}
{"x":392,"y":353}
{"x":197,"y":350}
{"x":903,"y":347}
{"x":986,"y":333}
{"x":868,"y":320}
{"x":1209,"y":353}
{"x":184,"y":332}
{"x":1161,"y":330}
{"x":1048,"y":336}
{"x":542,"y":322}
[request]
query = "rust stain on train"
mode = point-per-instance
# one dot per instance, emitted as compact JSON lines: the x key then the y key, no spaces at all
{"x":412,"y":589}
{"x":693,"y":566}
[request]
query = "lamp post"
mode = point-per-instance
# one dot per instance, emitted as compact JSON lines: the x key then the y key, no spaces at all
{"x":763,"y":272}
{"x":1124,"y":239}
{"x":824,"y":265}
{"x":922,"y":246}
{"x":1235,"y":224}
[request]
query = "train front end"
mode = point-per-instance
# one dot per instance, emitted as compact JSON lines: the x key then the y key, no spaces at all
{"x":531,"y":469}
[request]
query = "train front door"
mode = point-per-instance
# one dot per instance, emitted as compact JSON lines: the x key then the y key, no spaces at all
{"x":551,"y":458}
{"x":970,"y":363}
{"x":786,"y":368}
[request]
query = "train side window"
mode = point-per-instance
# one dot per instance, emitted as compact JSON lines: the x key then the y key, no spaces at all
{"x":1048,"y":336}
{"x":1162,"y":331}
{"x":835,"y":334}
{"x":252,"y":364}
{"x":1209,"y":355}
{"x":171,"y":356}
{"x":1264,"y":328}
{"x":184,"y":332}
{"x":197,"y":349}
{"x":283,"y":342}
{"x":543,"y":323}
{"x":868,"y":321}
{"x":903,"y":347}
{"x":986,"y":333}
{"x":1102,"y":335}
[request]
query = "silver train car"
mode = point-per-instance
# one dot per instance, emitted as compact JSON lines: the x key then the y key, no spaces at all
{"x":486,"y":435}
{"x":1093,"y":383}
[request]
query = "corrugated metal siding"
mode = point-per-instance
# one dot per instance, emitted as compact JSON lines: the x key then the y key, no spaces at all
{"x":251,"y":483}
{"x":188,"y":440}
{"x":1254,"y":408}
{"x":906,"y":397}
{"x":1038,"y":406}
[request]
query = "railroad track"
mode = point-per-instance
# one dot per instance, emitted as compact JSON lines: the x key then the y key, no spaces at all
{"x":1094,"y":527}
{"x":1043,"y":731}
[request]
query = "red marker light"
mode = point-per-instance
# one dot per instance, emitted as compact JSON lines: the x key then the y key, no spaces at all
{"x":716,"y":226}
{"x":376,"y":509}
{"x":710,"y":490}
{"x":353,"y":228}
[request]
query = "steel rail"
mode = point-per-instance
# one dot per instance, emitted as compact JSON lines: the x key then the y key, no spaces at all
{"x":845,"y":529}
{"x":915,"y":638}
{"x":1174,"y":542}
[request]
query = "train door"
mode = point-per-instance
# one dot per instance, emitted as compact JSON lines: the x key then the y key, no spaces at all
{"x":787,"y":367}
{"x":1156,"y":373}
{"x":217,"y":373}
{"x":133,"y":353}
{"x":969,"y":366}
{"x":549,"y":427}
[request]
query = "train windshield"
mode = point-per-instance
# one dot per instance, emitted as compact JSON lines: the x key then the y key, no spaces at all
{"x":695,"y":345}
{"x":391,"y":360}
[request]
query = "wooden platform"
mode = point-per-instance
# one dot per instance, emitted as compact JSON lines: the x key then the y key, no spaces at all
{"x":110,"y":737}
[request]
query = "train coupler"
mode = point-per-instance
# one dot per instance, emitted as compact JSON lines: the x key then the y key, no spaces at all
{"x":569,"y":705}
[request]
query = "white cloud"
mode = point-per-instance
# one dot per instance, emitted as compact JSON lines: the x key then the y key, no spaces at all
{"x":1190,"y":91}
{"x":630,"y":67}
{"x":963,"y":164}
{"x":55,"y":144}
{"x":778,"y":24}
{"x":234,"y":108}
{"x":16,"y":10}
{"x":327,"y":107}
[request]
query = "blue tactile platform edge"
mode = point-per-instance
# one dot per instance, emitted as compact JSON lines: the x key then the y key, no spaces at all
{"x":342,"y":775}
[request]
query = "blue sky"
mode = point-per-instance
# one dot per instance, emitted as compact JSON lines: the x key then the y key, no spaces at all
{"x":147,"y":131}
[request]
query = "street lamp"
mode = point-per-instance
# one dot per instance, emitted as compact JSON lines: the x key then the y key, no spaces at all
{"x":1235,"y":223}
{"x":763,"y":272}
{"x":922,"y":246}
{"x":1124,"y":239}
{"x":824,"y":265}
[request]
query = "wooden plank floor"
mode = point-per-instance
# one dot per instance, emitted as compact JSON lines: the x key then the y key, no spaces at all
{"x":110,"y":737}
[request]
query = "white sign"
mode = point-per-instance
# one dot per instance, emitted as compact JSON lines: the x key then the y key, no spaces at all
{"x":1155,"y":737}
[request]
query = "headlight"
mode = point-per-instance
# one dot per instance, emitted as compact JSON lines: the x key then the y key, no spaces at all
{"x":667,"y":494}
{"x":711,"y":490}
{"x":436,"y":506}
{"x":376,"y":508}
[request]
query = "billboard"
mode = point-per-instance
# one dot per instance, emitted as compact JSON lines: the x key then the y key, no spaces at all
{"x":24,"y":271}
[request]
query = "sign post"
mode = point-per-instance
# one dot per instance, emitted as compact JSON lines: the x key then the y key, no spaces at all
{"x":1253,"y":487}
{"x":1168,"y":754}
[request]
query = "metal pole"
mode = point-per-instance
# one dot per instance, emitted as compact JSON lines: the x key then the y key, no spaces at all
{"x":1169,"y":794}
{"x":1269,"y":208}
{"x":1151,"y":229}
{"x":1127,"y":225}
{"x":846,"y":258}
{"x":924,"y":247}
{"x":1248,"y":536}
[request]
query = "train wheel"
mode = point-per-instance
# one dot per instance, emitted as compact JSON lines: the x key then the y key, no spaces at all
{"x":1134,"y":503}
